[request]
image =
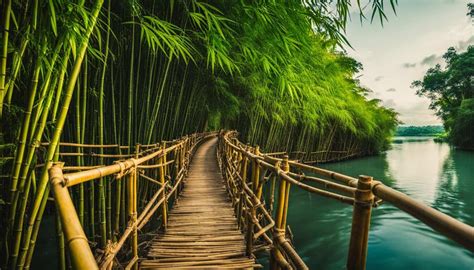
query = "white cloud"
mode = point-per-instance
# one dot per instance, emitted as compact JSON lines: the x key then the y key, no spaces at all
{"x":422,"y":31}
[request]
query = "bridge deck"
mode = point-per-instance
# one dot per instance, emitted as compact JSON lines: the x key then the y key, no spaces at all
{"x":202,"y":228}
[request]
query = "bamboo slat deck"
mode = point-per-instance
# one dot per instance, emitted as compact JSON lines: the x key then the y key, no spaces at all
{"x":202,"y":229}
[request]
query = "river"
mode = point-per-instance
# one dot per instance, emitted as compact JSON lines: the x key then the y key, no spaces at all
{"x":435,"y":173}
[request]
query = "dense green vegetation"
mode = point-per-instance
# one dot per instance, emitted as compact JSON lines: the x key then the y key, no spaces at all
{"x":451,"y":91}
{"x":419,"y":130}
{"x":141,"y":71}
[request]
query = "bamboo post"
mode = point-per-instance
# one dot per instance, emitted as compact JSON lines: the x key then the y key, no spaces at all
{"x":244,"y":167}
{"x":360,"y":224}
{"x":281,"y":212}
{"x":256,"y":181}
{"x":272,"y":193}
{"x":82,"y":257}
{"x":134,"y":218}
{"x":286,"y":169}
{"x":132,"y":211}
{"x":181,"y":165}
{"x":164,"y":207}
{"x":165,"y":160}
{"x":182,"y":158}
{"x":251,"y":212}
{"x":240,"y":207}
{"x":176,"y":172}
{"x":239,"y":160}
{"x":282,"y":194}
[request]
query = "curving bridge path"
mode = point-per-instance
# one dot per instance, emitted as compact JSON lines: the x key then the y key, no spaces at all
{"x":202,"y":229}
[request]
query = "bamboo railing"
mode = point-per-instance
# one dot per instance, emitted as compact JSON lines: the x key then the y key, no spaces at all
{"x":322,"y":156}
{"x":253,"y":180}
{"x":164,"y":165}
{"x":259,"y":186}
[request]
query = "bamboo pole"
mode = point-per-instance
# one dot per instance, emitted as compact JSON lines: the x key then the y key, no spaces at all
{"x":251,"y":212}
{"x":286,"y":169}
{"x":176,"y":170}
{"x":7,"y":8}
{"x":360,"y":224}
{"x":82,"y":257}
{"x":164,"y":216}
{"x":134,"y":218}
{"x":275,"y":253}
{"x":258,"y":187}
{"x":60,"y":239}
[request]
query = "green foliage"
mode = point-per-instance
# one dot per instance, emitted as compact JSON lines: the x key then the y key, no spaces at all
{"x":419,"y":130}
{"x":154,"y":70}
{"x":463,"y":128}
{"x":451,"y":90}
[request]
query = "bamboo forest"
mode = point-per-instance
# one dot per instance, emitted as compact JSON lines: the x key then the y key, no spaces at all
{"x":167,"y":134}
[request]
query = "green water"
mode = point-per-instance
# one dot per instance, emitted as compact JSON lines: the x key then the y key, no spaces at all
{"x":434,"y":173}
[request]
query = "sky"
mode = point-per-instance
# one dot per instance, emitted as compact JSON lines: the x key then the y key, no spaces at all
{"x":400,"y":52}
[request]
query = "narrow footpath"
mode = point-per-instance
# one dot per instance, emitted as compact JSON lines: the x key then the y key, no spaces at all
{"x":202,"y":228}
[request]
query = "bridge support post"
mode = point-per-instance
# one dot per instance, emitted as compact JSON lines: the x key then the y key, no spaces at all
{"x":132,"y":214}
{"x":251,"y":212}
{"x":364,"y":197}
{"x":255,"y":172}
{"x":164,"y":207}
{"x":244,"y":167}
{"x":176,"y":172}
{"x":281,"y":212}
{"x":258,"y":187}
{"x":239,"y":207}
{"x":243,"y":171}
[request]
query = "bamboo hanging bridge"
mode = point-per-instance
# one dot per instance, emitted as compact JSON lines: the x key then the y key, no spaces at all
{"x":211,"y":201}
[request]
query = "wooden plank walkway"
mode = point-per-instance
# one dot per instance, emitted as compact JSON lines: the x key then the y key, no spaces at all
{"x":202,"y":228}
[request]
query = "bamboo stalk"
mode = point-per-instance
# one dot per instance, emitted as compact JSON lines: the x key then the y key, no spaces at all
{"x":58,"y":130}
{"x":7,"y":9}
{"x":164,"y":207}
{"x":60,"y":239}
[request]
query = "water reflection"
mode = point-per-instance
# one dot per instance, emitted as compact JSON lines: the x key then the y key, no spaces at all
{"x":455,"y":188}
{"x":431,"y":172}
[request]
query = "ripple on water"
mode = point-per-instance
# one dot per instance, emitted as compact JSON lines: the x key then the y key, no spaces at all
{"x":321,"y":227}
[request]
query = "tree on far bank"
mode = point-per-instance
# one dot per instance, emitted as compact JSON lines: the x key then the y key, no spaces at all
{"x":451,"y":91}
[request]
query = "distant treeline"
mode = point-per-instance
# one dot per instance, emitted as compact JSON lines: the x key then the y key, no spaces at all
{"x":419,"y":130}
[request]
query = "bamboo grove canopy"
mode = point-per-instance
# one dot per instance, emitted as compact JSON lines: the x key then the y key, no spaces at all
{"x":140,"y":71}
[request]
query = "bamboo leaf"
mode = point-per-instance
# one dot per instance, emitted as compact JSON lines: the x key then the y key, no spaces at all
{"x":52,"y":13}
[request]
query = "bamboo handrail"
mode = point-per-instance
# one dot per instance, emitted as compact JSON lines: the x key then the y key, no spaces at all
{"x":82,"y":154}
{"x":155,"y":165}
{"x":251,"y":196}
{"x":445,"y":224}
{"x":246,"y":172}
{"x":82,"y":145}
{"x":76,"y":238}
{"x":84,"y":176}
{"x":78,"y":245}
{"x":232,"y":148}
{"x":326,"y":183}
